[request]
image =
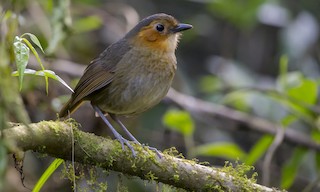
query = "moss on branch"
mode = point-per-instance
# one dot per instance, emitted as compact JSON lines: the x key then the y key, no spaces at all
{"x":56,"y":138}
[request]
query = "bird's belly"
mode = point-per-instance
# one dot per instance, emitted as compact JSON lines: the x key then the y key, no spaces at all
{"x":135,"y":95}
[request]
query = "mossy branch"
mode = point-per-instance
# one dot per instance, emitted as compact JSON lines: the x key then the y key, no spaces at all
{"x":55,"y":139}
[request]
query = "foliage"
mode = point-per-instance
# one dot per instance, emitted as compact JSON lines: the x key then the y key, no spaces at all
{"x":179,"y":121}
{"x":295,"y":95}
{"x":21,"y":48}
{"x":290,"y":170}
{"x":221,"y":149}
{"x":240,"y":13}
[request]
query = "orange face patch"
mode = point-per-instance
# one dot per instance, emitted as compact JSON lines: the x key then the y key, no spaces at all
{"x":150,"y":37}
{"x":150,"y":34}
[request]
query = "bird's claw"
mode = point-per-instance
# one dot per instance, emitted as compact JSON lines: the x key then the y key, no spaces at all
{"x":156,"y":150}
{"x":123,"y":142}
{"x":153,"y":149}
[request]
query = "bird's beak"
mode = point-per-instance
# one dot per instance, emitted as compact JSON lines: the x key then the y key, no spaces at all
{"x":181,"y":27}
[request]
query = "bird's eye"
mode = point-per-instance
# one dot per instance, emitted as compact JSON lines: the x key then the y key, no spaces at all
{"x":159,"y":27}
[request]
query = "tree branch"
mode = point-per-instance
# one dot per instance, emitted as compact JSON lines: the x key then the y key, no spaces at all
{"x":55,"y":139}
{"x":198,"y":106}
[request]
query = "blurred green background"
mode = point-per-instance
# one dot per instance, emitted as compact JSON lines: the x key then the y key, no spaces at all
{"x":256,"y":56}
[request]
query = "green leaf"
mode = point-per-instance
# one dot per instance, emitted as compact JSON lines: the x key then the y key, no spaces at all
{"x":296,"y":86}
{"x":306,"y":91}
{"x":258,"y":150}
{"x":34,"y":39}
{"x":33,"y":51}
{"x":301,"y":91}
{"x":288,"y":120}
{"x":284,"y":65}
{"x":44,"y":73}
{"x":52,"y":75}
{"x":221,"y":149}
{"x":87,"y":24}
{"x":290,"y":169}
{"x":7,"y":15}
{"x":288,"y":80}
{"x":210,"y":84}
{"x":21,"y":54}
{"x":315,"y":135}
{"x":240,"y":13}
{"x":45,"y":176}
{"x":26,"y":71}
{"x":238,"y":99}
{"x":179,"y":120}
{"x":38,"y":59}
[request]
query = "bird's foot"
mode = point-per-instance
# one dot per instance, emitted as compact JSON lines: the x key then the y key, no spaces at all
{"x":154,"y":149}
{"x":123,"y":142}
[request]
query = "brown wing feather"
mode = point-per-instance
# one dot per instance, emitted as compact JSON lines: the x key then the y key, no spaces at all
{"x":98,"y":74}
{"x":93,"y":79}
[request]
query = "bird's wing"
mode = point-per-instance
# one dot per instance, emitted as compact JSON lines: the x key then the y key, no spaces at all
{"x":100,"y":72}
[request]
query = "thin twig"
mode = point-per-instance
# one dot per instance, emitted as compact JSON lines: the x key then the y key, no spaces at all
{"x":213,"y":110}
{"x":73,"y":160}
{"x":270,"y":152}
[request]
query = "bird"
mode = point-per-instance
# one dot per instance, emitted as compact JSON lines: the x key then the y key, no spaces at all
{"x":131,"y":75}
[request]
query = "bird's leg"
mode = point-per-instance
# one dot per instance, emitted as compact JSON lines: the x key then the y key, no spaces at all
{"x":115,"y":118}
{"x":115,"y":133}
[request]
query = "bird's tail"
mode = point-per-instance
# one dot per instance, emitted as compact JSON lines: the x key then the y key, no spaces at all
{"x":69,"y":108}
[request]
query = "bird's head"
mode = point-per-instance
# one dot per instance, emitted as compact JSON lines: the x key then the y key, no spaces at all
{"x":157,"y":32}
